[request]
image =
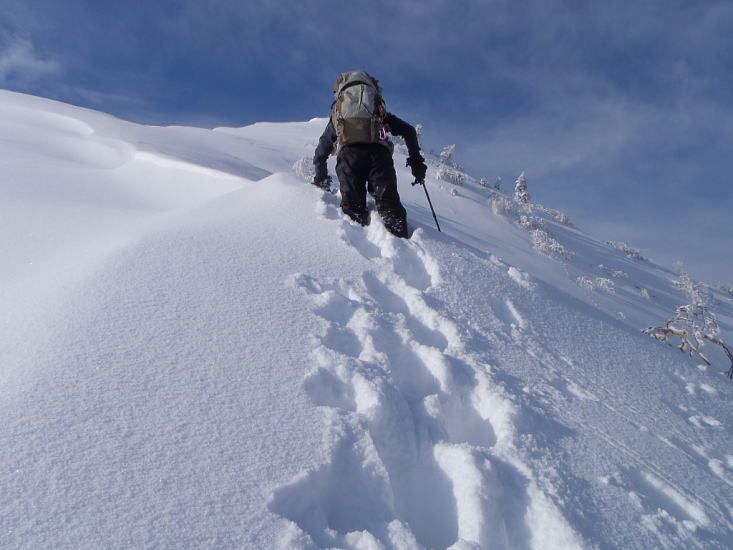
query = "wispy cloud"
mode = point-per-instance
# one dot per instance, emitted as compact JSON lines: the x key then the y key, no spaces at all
{"x":20,"y":64}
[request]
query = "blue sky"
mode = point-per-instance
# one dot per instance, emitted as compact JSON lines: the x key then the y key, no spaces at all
{"x":620,"y":112}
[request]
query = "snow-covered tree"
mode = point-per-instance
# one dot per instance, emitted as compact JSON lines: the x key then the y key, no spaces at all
{"x":448,"y":170}
{"x":542,"y":240}
{"x":496,"y":186}
{"x":446,"y":155}
{"x":450,"y":174}
{"x":520,"y":189}
{"x":502,"y":205}
{"x":630,"y":252}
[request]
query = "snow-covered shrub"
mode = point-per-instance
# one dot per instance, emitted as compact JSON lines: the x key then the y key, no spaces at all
{"x":560,"y":217}
{"x":451,"y":175}
{"x":563,"y":218}
{"x":460,"y":177}
{"x":599,"y":283}
{"x":585,"y":282}
{"x":695,"y":291}
{"x":634,"y":253}
{"x":496,"y":186}
{"x":503,"y":206}
{"x":644,"y":293}
{"x":304,"y":169}
{"x":693,"y":324}
{"x":446,"y":155}
{"x":605,"y":284}
{"x":542,"y":240}
{"x":545,"y":243}
{"x":448,"y":170}
{"x":530,"y":223}
{"x":521,"y":194}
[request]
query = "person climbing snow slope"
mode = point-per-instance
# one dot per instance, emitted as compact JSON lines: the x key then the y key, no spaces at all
{"x":358,"y":132}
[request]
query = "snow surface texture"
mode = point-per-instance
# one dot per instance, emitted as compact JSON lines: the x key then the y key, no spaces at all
{"x":200,"y":351}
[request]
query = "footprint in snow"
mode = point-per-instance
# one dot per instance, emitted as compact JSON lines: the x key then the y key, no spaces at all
{"x":390,"y":301}
{"x":413,"y":418}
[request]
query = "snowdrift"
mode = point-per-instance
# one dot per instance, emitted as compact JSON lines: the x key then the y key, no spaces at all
{"x":200,"y":351}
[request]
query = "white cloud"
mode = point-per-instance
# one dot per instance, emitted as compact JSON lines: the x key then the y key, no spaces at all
{"x":20,"y":64}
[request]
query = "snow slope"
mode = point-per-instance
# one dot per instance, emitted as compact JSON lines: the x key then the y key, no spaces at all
{"x":199,"y":351}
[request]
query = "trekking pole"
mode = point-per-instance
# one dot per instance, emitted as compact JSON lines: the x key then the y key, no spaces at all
{"x":429,"y":202}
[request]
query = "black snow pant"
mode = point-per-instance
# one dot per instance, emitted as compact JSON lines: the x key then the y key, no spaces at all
{"x":363,"y":167}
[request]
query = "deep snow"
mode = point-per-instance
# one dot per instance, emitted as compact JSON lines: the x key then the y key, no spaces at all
{"x":200,"y":351}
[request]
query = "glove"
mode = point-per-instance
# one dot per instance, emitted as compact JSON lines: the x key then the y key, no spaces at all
{"x":418,"y":168}
{"x":324,"y":182}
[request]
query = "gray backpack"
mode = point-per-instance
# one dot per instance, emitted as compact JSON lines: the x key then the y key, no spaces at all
{"x":359,"y":111}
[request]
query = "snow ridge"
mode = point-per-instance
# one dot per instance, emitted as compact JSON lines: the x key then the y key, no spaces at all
{"x":422,"y":438}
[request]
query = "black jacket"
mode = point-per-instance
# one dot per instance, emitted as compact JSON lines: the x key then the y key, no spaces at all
{"x":394,"y":125}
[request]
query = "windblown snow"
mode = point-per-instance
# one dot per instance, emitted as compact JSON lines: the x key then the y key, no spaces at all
{"x":200,"y":351}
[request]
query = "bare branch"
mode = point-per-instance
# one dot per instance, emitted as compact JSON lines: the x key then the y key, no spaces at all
{"x":718,"y":341}
{"x":693,"y":324}
{"x":663,"y":333}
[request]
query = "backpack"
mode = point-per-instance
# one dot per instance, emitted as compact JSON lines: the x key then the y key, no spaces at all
{"x":358,"y":112}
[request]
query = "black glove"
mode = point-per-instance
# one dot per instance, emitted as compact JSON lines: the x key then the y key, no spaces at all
{"x":418,"y":168}
{"x":324,"y":182}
